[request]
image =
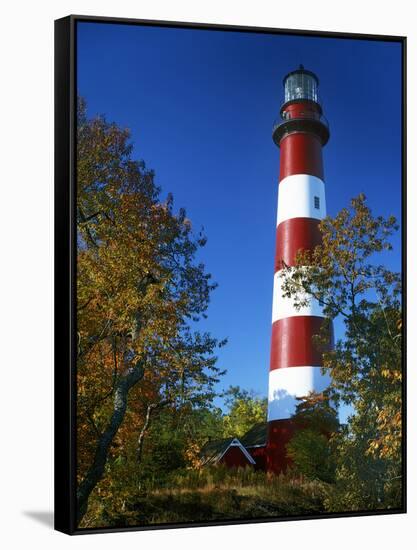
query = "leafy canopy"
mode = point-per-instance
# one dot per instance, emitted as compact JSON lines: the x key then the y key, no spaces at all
{"x":345,"y":274}
{"x":140,"y":293}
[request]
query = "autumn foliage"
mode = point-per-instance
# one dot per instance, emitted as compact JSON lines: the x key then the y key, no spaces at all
{"x":346,"y":276}
{"x":140,"y":293}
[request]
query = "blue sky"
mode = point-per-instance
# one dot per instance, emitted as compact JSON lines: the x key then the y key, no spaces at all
{"x":200,"y":106}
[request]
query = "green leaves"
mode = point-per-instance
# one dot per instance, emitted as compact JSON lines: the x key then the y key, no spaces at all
{"x":310,"y":447}
{"x":245,"y":410}
{"x":345,"y":274}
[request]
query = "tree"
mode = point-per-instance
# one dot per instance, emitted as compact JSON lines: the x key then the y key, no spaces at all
{"x":139,"y":294}
{"x":176,"y":438}
{"x":245,"y":410}
{"x":310,"y":447}
{"x":366,"y":364}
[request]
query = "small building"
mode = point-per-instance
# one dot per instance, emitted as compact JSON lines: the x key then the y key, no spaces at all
{"x":229,"y":452}
{"x":254,"y":442}
{"x":249,"y":450}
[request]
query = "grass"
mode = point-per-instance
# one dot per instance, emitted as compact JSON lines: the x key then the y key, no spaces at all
{"x":212,"y":494}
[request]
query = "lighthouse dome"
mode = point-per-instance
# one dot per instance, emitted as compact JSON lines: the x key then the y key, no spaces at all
{"x":301,"y":84}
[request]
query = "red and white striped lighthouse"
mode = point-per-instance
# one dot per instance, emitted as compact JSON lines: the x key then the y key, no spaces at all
{"x":295,"y":362}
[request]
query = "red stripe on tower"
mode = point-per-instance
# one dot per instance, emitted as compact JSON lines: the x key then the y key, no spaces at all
{"x":301,"y":155}
{"x":293,"y":236}
{"x":295,"y":360}
{"x":292,"y":342}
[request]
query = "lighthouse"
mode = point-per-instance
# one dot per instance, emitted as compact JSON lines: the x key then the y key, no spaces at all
{"x":295,"y":361}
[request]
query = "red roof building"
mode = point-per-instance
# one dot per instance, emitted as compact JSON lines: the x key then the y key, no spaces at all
{"x":229,"y":452}
{"x":249,"y":450}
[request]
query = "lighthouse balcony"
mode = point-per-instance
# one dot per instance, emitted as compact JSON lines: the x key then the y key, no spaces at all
{"x":317,"y":125}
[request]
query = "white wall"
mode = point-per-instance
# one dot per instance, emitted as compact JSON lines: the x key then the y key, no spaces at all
{"x":296,"y":198}
{"x":26,"y":132}
{"x":288,"y":384}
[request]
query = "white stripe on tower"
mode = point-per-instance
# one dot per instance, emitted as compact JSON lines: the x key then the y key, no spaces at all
{"x":292,"y":382}
{"x":297,"y":198}
{"x":283,"y":306}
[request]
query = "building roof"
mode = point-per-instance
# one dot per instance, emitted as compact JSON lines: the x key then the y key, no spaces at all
{"x":213,"y":451}
{"x":256,"y":436}
{"x":302,"y":71}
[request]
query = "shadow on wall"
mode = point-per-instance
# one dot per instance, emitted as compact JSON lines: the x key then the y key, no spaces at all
{"x":288,"y":384}
{"x":282,"y":405}
{"x":45,"y":518}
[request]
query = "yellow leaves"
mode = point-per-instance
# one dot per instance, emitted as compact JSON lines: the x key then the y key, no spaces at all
{"x":387,"y":445}
{"x":192,"y":455}
{"x":393,"y":375}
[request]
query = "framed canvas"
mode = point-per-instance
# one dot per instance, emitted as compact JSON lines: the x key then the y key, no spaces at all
{"x":229,"y":274}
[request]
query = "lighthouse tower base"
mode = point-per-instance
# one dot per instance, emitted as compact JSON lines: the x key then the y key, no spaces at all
{"x":280,"y":433}
{"x":287,"y":387}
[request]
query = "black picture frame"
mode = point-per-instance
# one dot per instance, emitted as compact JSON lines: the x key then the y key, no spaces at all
{"x":65,"y":265}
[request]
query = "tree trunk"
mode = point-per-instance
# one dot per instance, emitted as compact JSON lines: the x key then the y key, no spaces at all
{"x":141,"y":437}
{"x":96,"y":470}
